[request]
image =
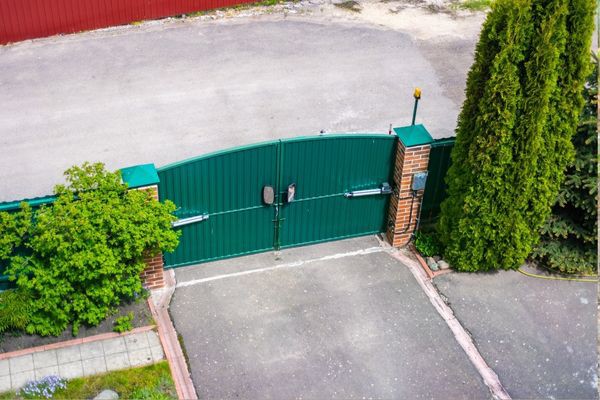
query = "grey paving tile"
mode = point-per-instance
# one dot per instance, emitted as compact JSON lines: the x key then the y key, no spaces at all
{"x":4,"y":368}
{"x":68,"y":354}
{"x":45,"y":359}
{"x":140,"y":357}
{"x":113,"y":346}
{"x":21,"y":364}
{"x":46,"y":371}
{"x":94,"y":366}
{"x":117,"y":361}
{"x":157,"y":353}
{"x":153,"y":339}
{"x":4,"y":383}
{"x":70,"y":370}
{"x":20,"y":379}
{"x":136,"y":341}
{"x":91,"y":350}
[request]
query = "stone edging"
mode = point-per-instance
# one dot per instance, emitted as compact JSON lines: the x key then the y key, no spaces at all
{"x":431,"y":274}
{"x":73,"y":342}
{"x":168,"y":338}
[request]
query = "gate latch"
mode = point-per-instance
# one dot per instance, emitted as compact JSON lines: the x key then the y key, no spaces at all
{"x":384,"y":189}
{"x":190,"y":220}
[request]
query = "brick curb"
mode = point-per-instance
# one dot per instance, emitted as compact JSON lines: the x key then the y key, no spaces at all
{"x":74,"y":342}
{"x":431,"y":274}
{"x":170,"y":343}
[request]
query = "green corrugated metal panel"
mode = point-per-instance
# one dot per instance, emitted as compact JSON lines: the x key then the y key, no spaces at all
{"x":323,"y":169}
{"x":33,"y":202}
{"x":413,"y":135}
{"x":227,"y":186}
{"x":140,"y":175}
{"x":435,"y":188}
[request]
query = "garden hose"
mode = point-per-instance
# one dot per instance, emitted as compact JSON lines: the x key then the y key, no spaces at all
{"x":557,"y":278}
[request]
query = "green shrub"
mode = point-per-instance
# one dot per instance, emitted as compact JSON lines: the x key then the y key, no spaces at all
{"x":124,"y":323}
{"x":15,"y":310}
{"x":514,"y":130}
{"x":427,"y":244}
{"x":569,"y":237}
{"x":84,"y":253}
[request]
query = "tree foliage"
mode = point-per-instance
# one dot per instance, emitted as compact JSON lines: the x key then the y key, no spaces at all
{"x":82,"y":255}
{"x":569,"y":237}
{"x":511,"y":146}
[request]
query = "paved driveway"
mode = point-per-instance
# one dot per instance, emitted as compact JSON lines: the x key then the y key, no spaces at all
{"x":538,"y":335}
{"x":324,"y":324}
{"x":164,"y":92}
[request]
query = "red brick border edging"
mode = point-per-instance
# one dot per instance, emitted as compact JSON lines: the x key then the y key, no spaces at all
{"x":73,"y":342}
{"x":431,"y":274}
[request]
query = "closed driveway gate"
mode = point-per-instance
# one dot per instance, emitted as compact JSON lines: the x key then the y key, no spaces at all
{"x":323,"y":188}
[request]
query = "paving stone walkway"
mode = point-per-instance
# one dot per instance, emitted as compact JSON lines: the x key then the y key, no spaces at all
{"x":84,"y":359}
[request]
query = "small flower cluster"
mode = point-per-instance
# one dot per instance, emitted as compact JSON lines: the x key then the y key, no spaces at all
{"x":44,"y":387}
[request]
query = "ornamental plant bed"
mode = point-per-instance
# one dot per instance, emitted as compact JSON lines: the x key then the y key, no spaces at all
{"x":150,"y":382}
{"x":11,"y":341}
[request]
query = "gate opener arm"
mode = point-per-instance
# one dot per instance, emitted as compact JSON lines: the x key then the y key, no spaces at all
{"x":190,"y":220}
{"x":384,"y":189}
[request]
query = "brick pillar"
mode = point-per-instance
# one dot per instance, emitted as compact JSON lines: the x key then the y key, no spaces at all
{"x":152,"y":275}
{"x":412,"y":156}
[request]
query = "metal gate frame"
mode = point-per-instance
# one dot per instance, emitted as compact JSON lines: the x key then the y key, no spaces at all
{"x":301,"y":154}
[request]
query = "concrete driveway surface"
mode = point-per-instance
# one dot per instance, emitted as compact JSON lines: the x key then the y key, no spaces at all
{"x":165,"y":91}
{"x":327,"y":323}
{"x":538,"y":335}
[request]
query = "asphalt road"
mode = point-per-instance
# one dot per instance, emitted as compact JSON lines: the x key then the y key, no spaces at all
{"x":164,"y":92}
{"x":347,"y":327}
{"x":538,"y":335}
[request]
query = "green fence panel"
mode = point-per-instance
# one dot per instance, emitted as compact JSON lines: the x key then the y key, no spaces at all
{"x":226,"y":187}
{"x":324,"y":168}
{"x":435,"y":188}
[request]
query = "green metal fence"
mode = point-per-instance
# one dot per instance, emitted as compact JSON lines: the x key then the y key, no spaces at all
{"x":435,"y":188}
{"x":221,"y":195}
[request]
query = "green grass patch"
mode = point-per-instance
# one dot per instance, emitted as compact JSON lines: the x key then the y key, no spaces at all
{"x":474,"y":5}
{"x":150,"y":382}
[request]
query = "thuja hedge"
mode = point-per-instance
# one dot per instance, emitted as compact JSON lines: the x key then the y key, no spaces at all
{"x":77,"y":259}
{"x":523,"y":100}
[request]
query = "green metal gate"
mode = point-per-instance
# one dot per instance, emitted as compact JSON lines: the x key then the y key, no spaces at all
{"x":336,"y":182}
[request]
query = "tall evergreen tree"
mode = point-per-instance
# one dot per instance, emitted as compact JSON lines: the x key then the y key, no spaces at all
{"x":509,"y":154}
{"x":569,"y":237}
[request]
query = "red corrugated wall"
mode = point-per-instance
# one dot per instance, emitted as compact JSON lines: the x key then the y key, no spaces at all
{"x":27,"y":19}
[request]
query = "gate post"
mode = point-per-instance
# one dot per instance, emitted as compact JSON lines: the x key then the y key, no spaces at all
{"x":144,"y":177}
{"x":412,"y":157}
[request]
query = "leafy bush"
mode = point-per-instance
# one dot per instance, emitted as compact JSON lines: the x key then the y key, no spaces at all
{"x":124,"y":323}
{"x":427,"y":244}
{"x":15,"y":310}
{"x":569,"y":237}
{"x":83,"y":254}
{"x":514,"y":130}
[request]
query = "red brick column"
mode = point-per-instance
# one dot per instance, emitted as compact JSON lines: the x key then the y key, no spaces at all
{"x":152,"y":275}
{"x":402,"y":222}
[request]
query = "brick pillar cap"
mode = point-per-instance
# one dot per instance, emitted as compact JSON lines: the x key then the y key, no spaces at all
{"x":413,"y":135}
{"x":140,"y":175}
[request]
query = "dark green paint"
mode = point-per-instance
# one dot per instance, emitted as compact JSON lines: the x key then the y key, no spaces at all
{"x":435,"y":188}
{"x":228,"y":186}
{"x":413,"y":135}
{"x":140,"y":175}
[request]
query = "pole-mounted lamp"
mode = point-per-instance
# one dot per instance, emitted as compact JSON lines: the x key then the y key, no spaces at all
{"x":417,"y":95}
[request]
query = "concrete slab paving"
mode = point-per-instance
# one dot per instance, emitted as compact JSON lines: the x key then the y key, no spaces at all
{"x":84,"y":359}
{"x":538,"y":335}
{"x":162,"y":94}
{"x":348,"y":327}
